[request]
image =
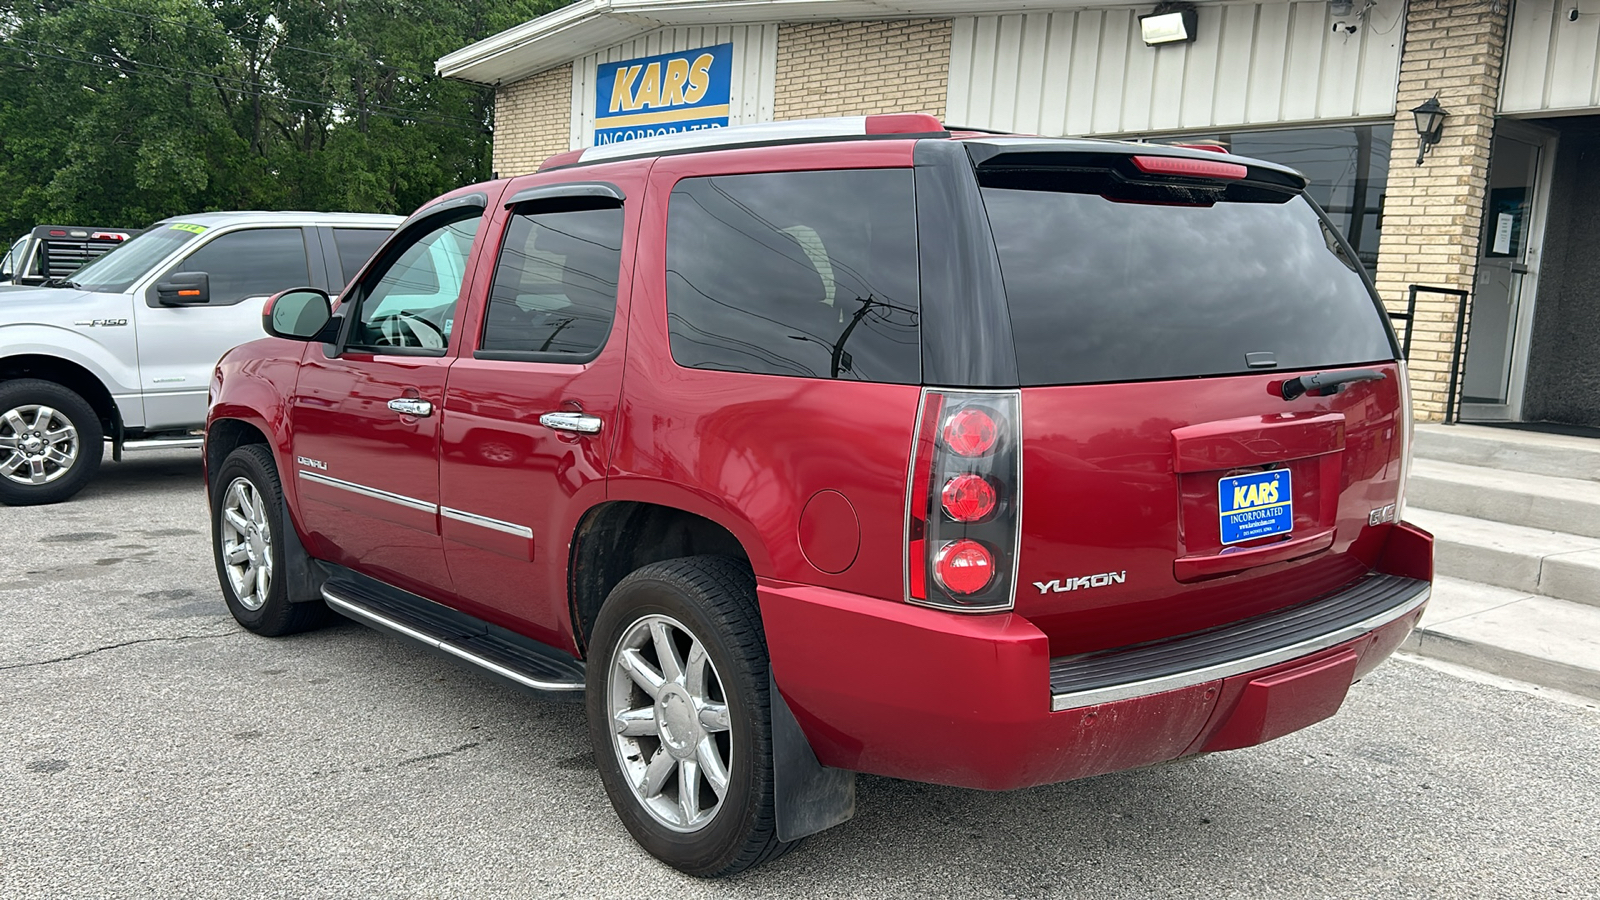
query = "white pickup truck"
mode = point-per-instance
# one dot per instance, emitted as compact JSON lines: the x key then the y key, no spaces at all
{"x":121,"y":351}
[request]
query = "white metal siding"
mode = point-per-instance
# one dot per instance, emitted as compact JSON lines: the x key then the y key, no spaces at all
{"x":1088,"y":71}
{"x":1552,"y":63}
{"x":755,"y":67}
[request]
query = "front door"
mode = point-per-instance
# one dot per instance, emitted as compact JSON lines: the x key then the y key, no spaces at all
{"x":530,"y":413}
{"x":366,"y":421}
{"x":1508,"y":272}
{"x":180,"y":345}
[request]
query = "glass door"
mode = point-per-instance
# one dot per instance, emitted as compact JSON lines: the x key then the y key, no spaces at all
{"x":1508,"y":268}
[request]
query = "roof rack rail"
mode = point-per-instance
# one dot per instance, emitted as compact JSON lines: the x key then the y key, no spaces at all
{"x":799,"y":131}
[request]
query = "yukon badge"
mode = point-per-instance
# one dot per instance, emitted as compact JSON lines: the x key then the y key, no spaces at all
{"x":1061,"y":586}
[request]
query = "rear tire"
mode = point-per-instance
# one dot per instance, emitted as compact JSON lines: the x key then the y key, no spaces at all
{"x":695,"y":717}
{"x":247,"y":521}
{"x":51,"y":442}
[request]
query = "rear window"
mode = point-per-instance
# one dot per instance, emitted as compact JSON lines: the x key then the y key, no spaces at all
{"x":1152,"y":286}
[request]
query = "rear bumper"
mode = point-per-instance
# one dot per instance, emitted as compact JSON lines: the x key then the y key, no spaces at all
{"x":975,"y":701}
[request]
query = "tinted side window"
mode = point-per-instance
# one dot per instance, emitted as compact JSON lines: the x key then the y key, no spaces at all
{"x":356,"y":246}
{"x":410,"y":300}
{"x":812,"y":274}
{"x":255,"y":263}
{"x":555,"y":287}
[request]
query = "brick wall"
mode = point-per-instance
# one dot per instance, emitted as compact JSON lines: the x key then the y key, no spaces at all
{"x":856,"y":68}
{"x":1433,"y":212}
{"x":532,"y":121}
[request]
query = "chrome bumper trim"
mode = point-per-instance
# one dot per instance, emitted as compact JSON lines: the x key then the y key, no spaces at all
{"x":1129,"y":690}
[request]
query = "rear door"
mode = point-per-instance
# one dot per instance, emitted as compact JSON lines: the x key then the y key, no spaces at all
{"x":1157,"y":310}
{"x":530,"y":412}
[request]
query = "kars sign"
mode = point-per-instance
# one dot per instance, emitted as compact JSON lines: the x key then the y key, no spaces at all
{"x":666,"y":94}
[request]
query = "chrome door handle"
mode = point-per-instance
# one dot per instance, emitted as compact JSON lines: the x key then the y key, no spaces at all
{"x":411,"y":407}
{"x":575,"y":422}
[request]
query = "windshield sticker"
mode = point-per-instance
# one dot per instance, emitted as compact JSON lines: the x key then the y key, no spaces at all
{"x":197,"y":229}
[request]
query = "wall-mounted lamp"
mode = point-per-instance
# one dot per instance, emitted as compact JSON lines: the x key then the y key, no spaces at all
{"x":1171,"y":23}
{"x":1341,"y":8}
{"x":1430,"y":123}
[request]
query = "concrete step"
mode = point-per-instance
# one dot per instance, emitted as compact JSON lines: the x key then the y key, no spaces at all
{"x":1558,"y":455}
{"x":1549,"y":642}
{"x":1552,"y":563}
{"x":1546,"y":502}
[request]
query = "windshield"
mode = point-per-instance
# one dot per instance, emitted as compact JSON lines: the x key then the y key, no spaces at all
{"x":119,"y":269}
{"x":1104,"y":287}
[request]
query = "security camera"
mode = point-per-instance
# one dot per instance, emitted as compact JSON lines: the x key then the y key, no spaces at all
{"x":1347,"y":29}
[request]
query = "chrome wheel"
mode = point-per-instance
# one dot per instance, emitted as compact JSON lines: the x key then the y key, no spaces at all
{"x":38,"y":443}
{"x":246,"y":543}
{"x":670,"y":718}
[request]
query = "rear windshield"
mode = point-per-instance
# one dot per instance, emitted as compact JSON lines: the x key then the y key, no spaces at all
{"x":1110,"y":283}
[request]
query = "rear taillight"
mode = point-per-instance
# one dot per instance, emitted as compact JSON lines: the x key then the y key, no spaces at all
{"x":963,"y":507}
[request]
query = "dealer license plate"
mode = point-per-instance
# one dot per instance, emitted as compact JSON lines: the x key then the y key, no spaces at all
{"x":1255,"y":506}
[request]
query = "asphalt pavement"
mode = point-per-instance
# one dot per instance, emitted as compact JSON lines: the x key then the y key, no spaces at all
{"x":151,"y":748}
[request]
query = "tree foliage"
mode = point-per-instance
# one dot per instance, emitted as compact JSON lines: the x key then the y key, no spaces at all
{"x":121,"y":112}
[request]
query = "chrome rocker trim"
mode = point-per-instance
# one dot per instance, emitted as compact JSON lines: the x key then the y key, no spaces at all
{"x":459,"y":515}
{"x":1261,"y":660}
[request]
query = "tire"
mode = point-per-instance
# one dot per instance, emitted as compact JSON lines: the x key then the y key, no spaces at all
{"x":709,"y":602}
{"x":246,"y":516}
{"x":34,"y":469}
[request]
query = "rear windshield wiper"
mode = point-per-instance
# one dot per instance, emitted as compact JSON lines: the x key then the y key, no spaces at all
{"x":1323,"y":381}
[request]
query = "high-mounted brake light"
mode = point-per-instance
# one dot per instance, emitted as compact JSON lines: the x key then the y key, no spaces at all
{"x":107,"y":236}
{"x":1192,"y":168}
{"x":58,"y":234}
{"x":963,"y":512}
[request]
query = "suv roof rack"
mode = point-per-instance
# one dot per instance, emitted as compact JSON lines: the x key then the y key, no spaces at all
{"x":799,"y":131}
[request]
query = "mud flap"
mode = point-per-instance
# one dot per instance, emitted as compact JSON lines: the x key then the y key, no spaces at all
{"x":305,"y":577}
{"x":809,"y":797}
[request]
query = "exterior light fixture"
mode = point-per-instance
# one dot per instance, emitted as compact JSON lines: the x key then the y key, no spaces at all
{"x":1171,"y":23}
{"x":1341,"y":8}
{"x":1430,"y":123}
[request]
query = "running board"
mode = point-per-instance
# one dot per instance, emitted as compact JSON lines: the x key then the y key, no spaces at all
{"x":511,"y":656}
{"x":183,"y":443}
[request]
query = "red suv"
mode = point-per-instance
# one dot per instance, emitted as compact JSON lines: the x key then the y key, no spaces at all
{"x":840,"y":446}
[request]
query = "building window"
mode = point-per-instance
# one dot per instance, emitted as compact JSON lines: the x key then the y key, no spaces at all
{"x":1347,"y":165}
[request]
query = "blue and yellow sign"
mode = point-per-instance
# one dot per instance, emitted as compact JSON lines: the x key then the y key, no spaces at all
{"x":666,"y":94}
{"x":1255,"y":506}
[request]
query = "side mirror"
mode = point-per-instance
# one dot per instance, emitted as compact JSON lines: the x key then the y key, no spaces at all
{"x":184,"y":289}
{"x":298,"y":314}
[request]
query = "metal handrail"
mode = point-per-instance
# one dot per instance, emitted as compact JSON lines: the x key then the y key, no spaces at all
{"x":1457,"y":348}
{"x":1410,"y":317}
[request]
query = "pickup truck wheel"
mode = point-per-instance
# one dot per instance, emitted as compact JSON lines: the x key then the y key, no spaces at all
{"x":246,"y":520}
{"x":678,"y":715}
{"x":50,"y":442}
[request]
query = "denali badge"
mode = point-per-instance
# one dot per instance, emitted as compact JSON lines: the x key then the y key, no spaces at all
{"x":1060,"y":586}
{"x":313,"y":463}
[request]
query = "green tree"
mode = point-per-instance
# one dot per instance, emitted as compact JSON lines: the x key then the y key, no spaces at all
{"x":120,"y":112}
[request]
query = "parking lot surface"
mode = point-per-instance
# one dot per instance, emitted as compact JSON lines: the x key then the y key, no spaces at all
{"x":151,"y":748}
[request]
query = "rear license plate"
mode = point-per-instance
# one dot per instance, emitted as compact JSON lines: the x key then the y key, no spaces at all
{"x":1255,"y":506}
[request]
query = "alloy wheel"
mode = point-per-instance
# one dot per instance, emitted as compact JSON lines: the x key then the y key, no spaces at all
{"x":246,"y":543}
{"x":37,"y":444}
{"x":669,"y":715}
